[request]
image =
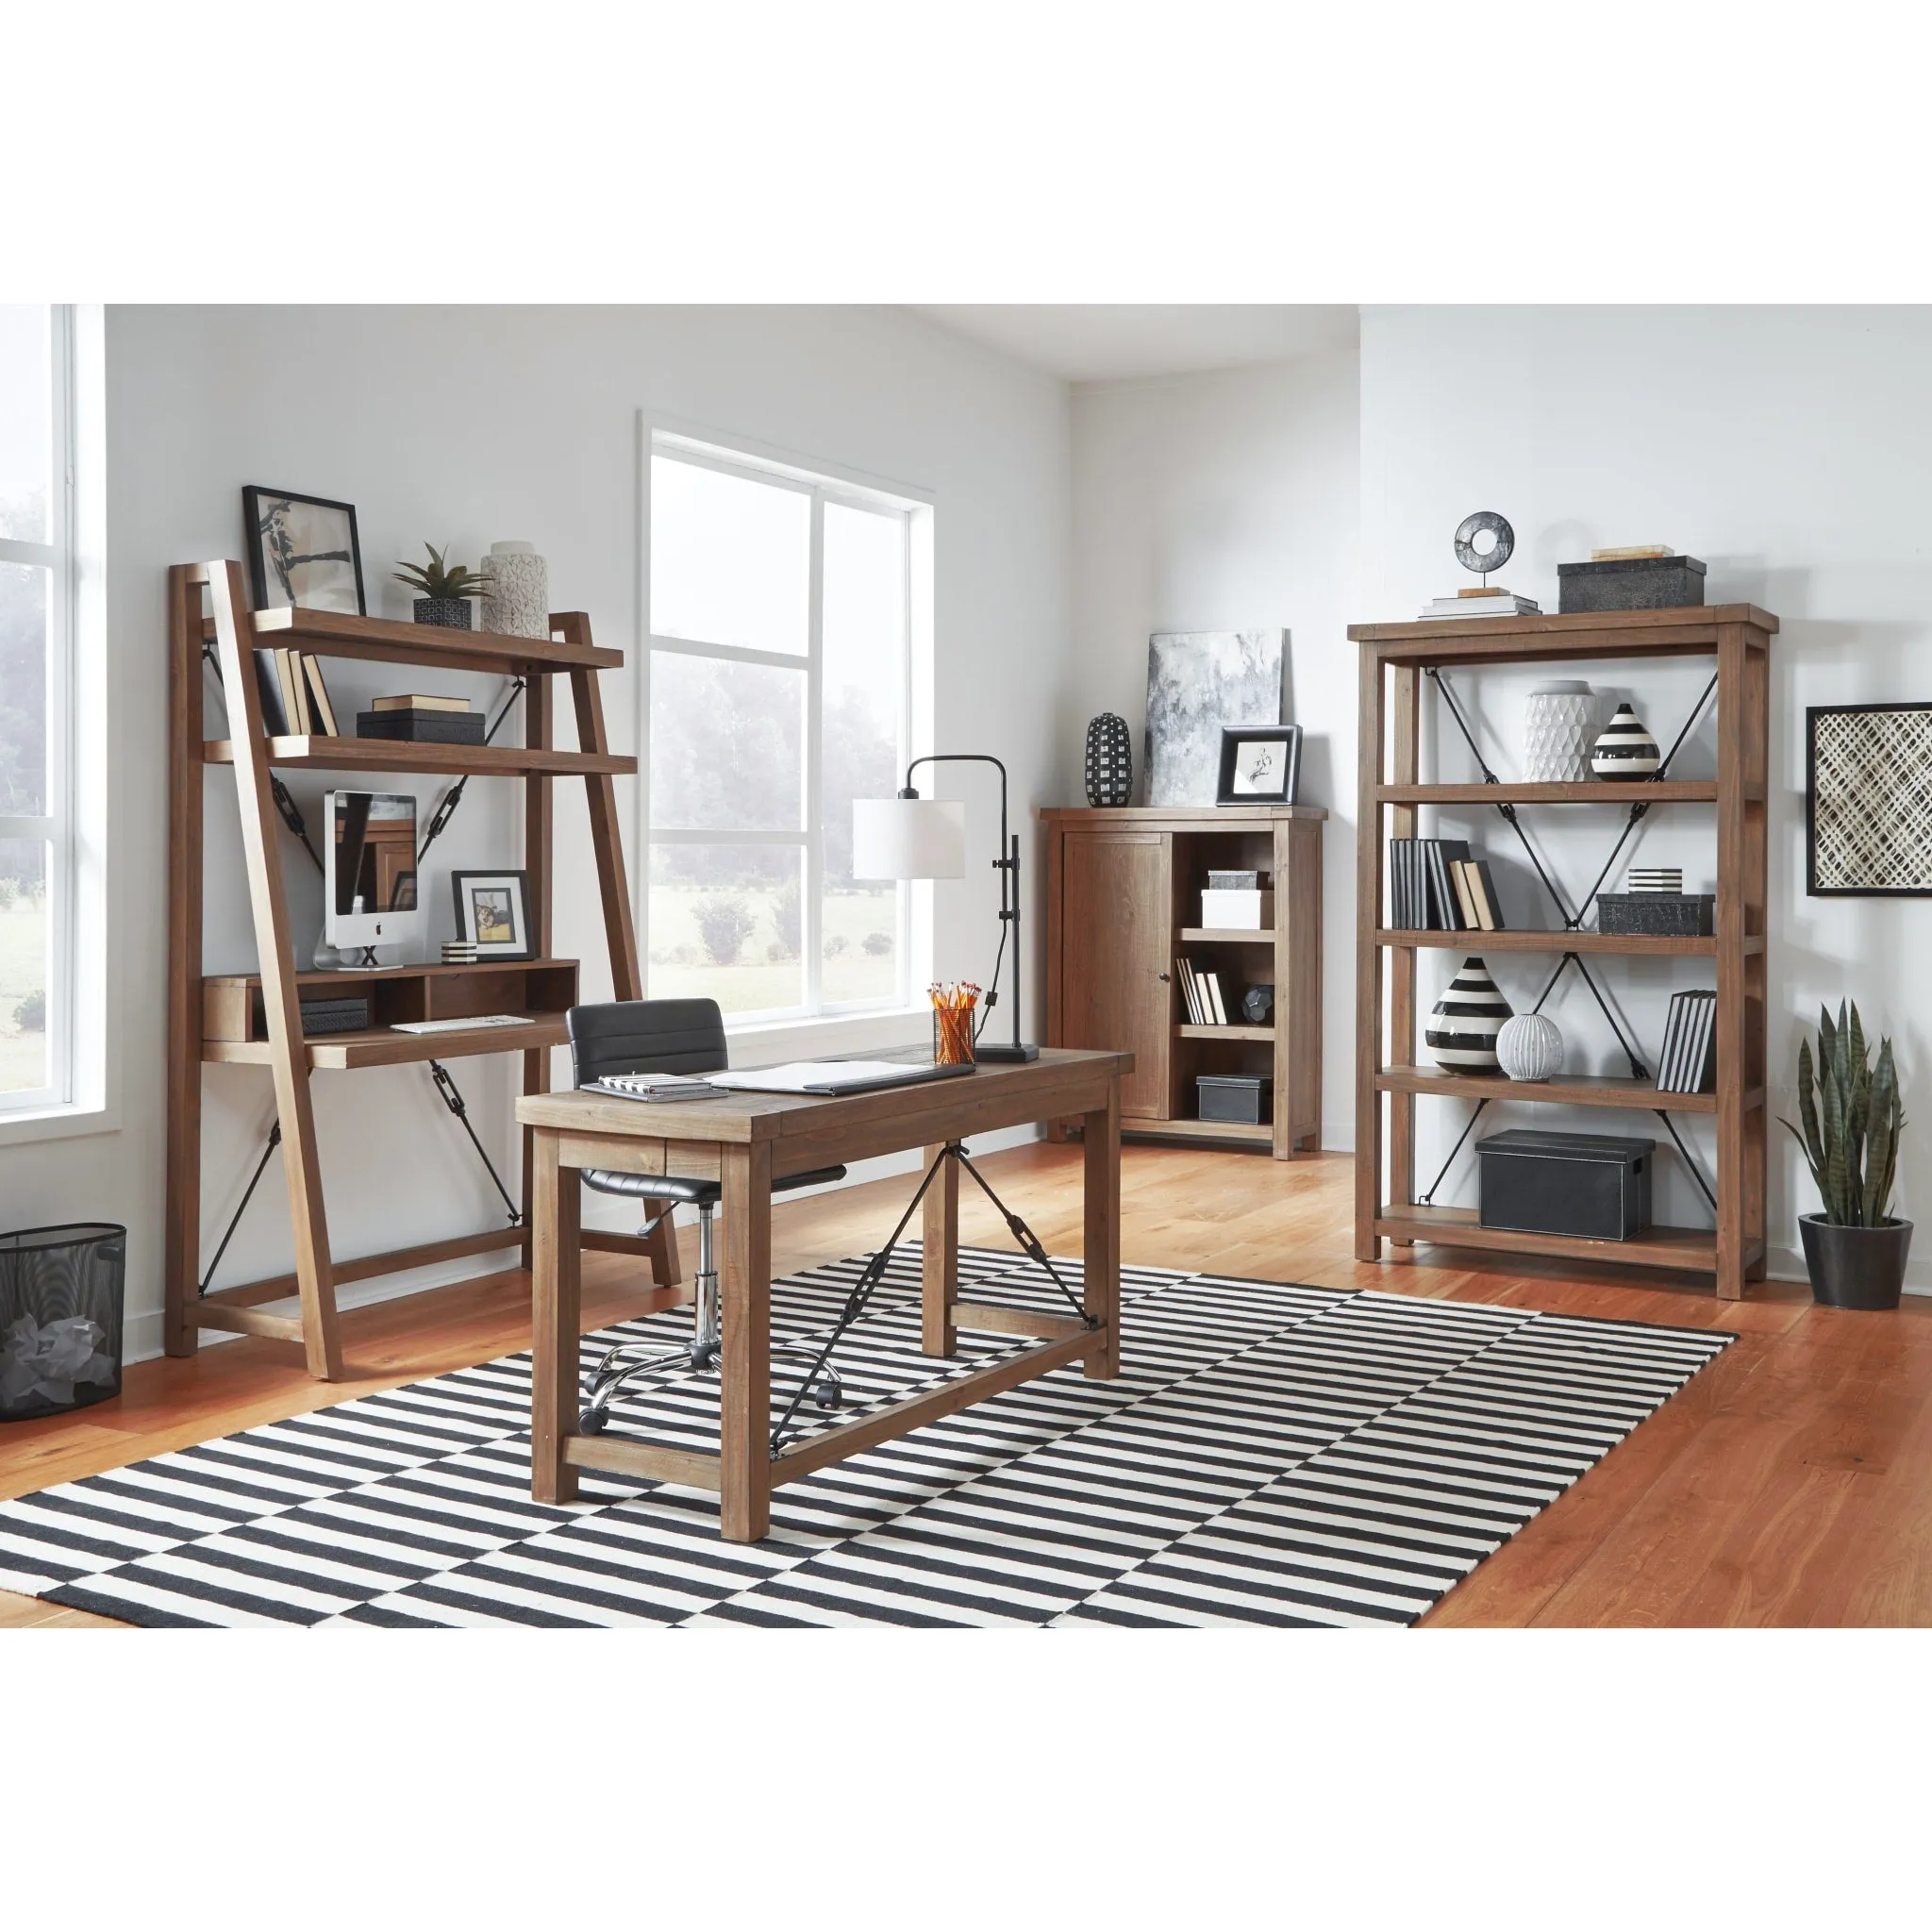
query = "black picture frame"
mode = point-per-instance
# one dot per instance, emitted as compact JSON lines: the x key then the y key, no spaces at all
{"x":515,"y":886}
{"x":1860,"y":801}
{"x":1234,"y":738}
{"x":270,"y":580}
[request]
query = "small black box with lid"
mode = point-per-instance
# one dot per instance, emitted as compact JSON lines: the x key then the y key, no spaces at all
{"x":1593,"y":1186}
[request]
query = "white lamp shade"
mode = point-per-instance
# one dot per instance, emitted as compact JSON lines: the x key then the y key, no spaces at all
{"x":909,"y":839}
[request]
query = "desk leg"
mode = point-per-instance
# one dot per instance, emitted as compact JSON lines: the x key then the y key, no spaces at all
{"x":556,"y":1308}
{"x":938,"y":1271}
{"x":1101,"y":1138}
{"x":744,"y":1409}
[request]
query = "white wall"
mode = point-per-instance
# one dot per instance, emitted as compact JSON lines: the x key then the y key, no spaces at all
{"x":1229,"y":502}
{"x":465,"y":425}
{"x":1788,"y":448}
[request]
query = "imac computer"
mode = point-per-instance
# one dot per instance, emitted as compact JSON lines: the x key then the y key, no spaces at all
{"x":369,"y":882}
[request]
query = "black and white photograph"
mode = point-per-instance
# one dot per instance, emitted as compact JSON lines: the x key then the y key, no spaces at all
{"x":302,"y":550}
{"x":494,"y":913}
{"x":1259,"y":766}
{"x":1198,"y":682}
{"x":1868,"y":801}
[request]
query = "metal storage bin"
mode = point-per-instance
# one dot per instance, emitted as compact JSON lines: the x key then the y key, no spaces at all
{"x":1243,"y":1098}
{"x":61,"y":1291}
{"x":1595,"y":1186}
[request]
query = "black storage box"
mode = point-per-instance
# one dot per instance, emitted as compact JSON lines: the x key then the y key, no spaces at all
{"x":1629,"y":583}
{"x":1596,"y":1186}
{"x":423,"y":727}
{"x":1660,"y":915}
{"x":347,"y":1014}
{"x":1244,"y":1098}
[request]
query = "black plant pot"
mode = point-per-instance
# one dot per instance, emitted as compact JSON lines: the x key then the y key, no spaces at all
{"x":1855,"y":1267}
{"x":451,"y":613}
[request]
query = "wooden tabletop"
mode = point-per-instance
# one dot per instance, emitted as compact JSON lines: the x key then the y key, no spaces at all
{"x":779,"y":1116}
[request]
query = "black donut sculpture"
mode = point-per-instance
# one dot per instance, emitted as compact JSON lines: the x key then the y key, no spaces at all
{"x":1468,"y":557}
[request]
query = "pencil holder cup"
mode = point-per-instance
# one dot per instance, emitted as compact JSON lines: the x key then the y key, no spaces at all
{"x":951,"y":1034}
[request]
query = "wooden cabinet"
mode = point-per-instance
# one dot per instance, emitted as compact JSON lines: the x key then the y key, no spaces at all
{"x":1124,"y":899}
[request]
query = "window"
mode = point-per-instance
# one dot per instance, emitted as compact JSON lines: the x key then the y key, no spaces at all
{"x":778,"y":690}
{"x":36,"y":605}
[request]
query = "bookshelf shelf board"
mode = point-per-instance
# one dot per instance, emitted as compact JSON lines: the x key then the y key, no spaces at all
{"x":1690,"y":632}
{"x":398,"y":754}
{"x":1572,"y":1090}
{"x":348,"y":981}
{"x":1635,"y":944}
{"x":341,"y":634}
{"x":1692,"y":1249}
{"x":1188,"y":1031}
{"x":381,"y":1048}
{"x":1605,"y":791}
{"x":1227,"y":936}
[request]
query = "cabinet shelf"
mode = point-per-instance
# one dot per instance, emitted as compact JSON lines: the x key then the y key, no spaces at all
{"x":1178,"y":1129}
{"x":1187,"y":1030}
{"x":1225,"y":936}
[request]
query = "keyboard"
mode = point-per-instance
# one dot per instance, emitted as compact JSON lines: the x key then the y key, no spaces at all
{"x":461,"y":1025}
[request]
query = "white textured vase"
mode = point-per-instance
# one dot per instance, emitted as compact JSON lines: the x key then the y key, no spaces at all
{"x":1530,"y":1047}
{"x":517,"y":602}
{"x":1559,"y":730}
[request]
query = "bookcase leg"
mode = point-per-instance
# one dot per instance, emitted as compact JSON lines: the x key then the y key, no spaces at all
{"x":182,"y":1261}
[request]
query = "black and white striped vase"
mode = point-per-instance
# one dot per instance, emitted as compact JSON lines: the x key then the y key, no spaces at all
{"x":1462,"y":1030}
{"x":1624,"y":749}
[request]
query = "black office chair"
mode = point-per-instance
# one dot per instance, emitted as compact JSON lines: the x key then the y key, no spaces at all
{"x":669,"y":1037}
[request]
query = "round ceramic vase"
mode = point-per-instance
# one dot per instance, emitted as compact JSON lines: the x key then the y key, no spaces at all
{"x":1561,"y":722}
{"x":1530,"y":1047}
{"x":1462,"y":1029}
{"x":516,"y":602}
{"x":1624,"y":749}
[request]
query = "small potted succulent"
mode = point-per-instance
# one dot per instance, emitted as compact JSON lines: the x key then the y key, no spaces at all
{"x":1854,"y":1252}
{"x":443,"y":590}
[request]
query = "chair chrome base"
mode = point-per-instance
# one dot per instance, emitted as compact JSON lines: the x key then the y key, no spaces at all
{"x":702,"y":1353}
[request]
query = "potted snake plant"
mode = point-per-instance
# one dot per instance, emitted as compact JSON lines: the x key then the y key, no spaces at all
{"x":443,"y":590}
{"x":1855,"y":1250}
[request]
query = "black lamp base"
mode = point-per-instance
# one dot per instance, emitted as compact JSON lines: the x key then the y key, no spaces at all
{"x":983,"y":1052}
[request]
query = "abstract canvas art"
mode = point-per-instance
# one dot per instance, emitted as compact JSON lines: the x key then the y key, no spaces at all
{"x":1198,"y":683}
{"x":1868,"y":800}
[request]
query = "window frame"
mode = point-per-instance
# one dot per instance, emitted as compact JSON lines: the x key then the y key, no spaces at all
{"x":56,"y":824}
{"x":821,"y":485}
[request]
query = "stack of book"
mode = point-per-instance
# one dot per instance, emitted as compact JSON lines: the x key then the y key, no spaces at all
{"x":1435,"y":886}
{"x":1483,"y":603}
{"x":1655,"y":878}
{"x":1201,"y":994}
{"x":294,"y":700}
{"x":420,"y":719}
{"x":1689,"y":1057}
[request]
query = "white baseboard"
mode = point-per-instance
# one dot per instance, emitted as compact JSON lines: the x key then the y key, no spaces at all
{"x":1787,"y":1264}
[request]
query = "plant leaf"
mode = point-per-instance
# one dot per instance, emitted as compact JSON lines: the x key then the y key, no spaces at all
{"x":1837,"y":1187}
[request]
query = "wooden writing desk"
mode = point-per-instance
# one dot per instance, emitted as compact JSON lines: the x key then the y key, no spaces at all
{"x":746,"y":1142}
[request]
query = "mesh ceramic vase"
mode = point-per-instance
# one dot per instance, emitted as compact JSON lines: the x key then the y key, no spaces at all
{"x":1559,"y":725}
{"x":1462,"y":1029}
{"x":516,"y":601}
{"x":1110,"y":761}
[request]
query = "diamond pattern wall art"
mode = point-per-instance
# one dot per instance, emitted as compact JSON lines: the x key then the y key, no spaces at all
{"x":1868,"y":800}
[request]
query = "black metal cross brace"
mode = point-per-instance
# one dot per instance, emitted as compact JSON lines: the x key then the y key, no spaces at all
{"x":1573,"y":921}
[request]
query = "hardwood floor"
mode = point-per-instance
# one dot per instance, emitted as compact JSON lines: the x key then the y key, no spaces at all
{"x":1790,"y":1483}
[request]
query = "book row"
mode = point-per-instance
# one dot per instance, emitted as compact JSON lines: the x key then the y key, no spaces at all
{"x":1435,"y":886}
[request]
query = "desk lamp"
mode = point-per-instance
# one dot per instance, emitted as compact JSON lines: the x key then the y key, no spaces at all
{"x":913,"y":838}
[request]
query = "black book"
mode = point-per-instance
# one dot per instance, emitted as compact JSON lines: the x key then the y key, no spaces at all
{"x":1673,"y":1026}
{"x":1447,"y":907}
{"x":1687,"y":1028}
{"x":1702,"y":1073}
{"x":1413,"y":914}
{"x":275,"y":718}
{"x":1397,"y":908}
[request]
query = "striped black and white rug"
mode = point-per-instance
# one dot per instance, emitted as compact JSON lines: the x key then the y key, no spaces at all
{"x":1270,"y":1454}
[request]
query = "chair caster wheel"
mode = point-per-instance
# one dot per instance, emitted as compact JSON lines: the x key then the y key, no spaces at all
{"x":829,"y":1395}
{"x":592,"y":1422}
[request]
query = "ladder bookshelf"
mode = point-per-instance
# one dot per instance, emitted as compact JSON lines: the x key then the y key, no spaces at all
{"x":256,"y":1020}
{"x":1395,"y":657}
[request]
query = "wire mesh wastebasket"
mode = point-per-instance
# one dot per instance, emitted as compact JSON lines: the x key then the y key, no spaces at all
{"x":61,"y":1303}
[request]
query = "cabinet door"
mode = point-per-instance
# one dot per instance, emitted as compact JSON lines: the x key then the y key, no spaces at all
{"x":1117,"y":933}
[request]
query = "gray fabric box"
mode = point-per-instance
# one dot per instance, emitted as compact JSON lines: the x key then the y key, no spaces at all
{"x":1629,"y":583}
{"x":1658,"y":915}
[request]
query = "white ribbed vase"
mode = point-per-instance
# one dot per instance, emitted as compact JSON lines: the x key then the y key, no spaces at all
{"x":1530,"y":1047}
{"x":517,"y":602}
{"x":1559,"y":725}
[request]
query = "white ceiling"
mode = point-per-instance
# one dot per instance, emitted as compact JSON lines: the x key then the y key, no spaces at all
{"x":1097,"y":341}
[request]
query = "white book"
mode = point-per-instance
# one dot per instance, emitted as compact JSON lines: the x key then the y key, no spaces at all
{"x":1215,"y":1000}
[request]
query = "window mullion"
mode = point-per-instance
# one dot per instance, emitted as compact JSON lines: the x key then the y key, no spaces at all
{"x":814,"y":882}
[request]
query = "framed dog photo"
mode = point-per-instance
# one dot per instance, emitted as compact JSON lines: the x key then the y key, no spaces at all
{"x":302,"y":550}
{"x":1868,"y":801}
{"x":1260,"y":764}
{"x":494,"y":913}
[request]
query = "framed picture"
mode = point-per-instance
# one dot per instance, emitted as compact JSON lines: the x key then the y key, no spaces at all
{"x":1260,"y":764}
{"x":302,"y":550}
{"x":1198,"y":681}
{"x":494,"y":911}
{"x":1868,"y":801}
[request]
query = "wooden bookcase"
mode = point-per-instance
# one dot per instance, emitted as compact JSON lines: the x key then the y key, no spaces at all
{"x":1395,"y":660}
{"x":256,"y":1019}
{"x":1122,"y":889}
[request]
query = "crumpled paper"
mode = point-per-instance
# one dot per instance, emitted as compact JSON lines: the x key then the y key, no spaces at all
{"x":50,"y":1361}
